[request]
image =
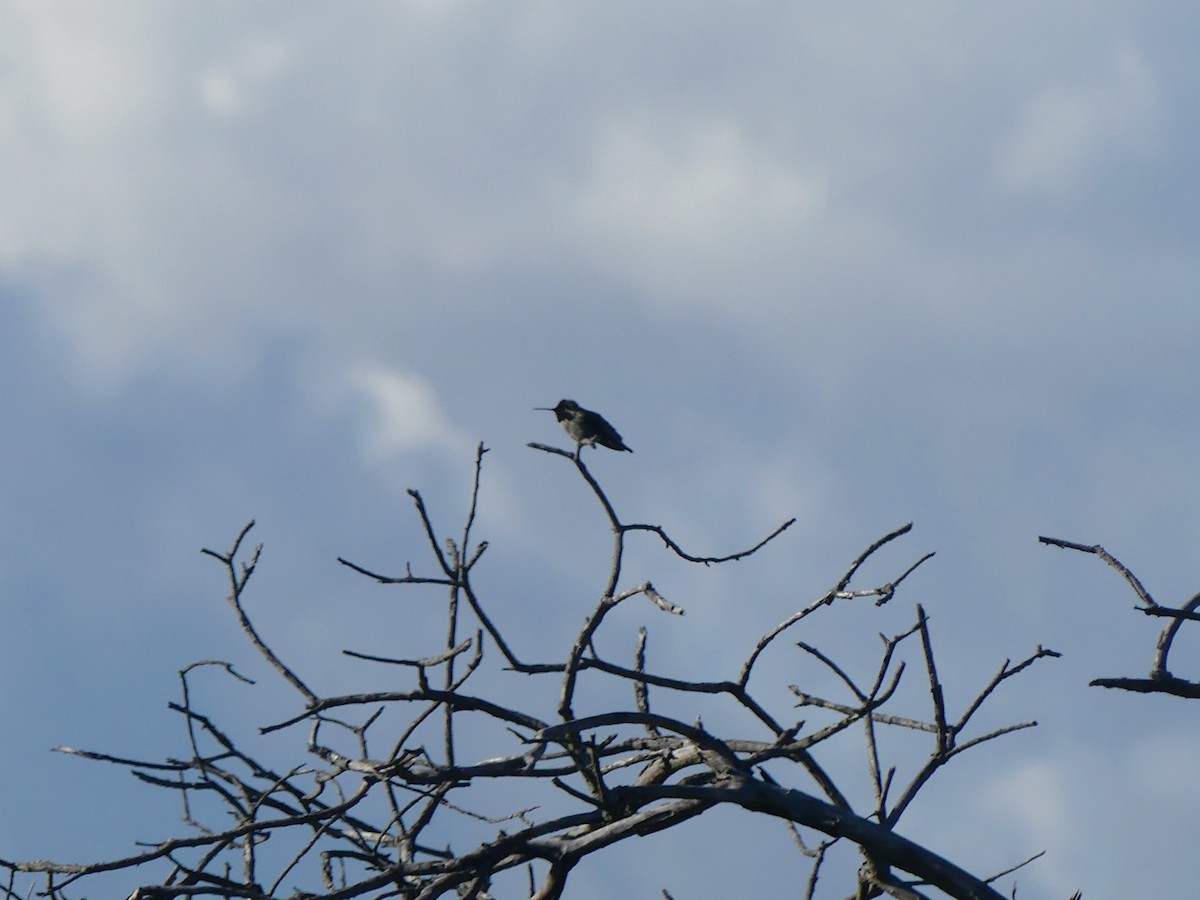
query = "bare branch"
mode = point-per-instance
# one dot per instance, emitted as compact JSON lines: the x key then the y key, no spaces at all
{"x":1161,"y":680}
{"x":710,"y":560}
{"x":1018,"y":866}
{"x":883,"y":593}
{"x":1099,"y":551}
{"x":237,"y":585}
{"x":426,"y":663}
{"x":1176,"y":687}
{"x":879,"y":842}
{"x":407,"y":578}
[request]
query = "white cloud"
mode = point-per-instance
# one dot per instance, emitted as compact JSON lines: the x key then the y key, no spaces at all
{"x":226,"y":88}
{"x":405,"y":413}
{"x":143,"y":235}
{"x":73,"y":96}
{"x":87,"y":67}
{"x":689,"y":210}
{"x":221,"y":92}
{"x":1068,"y":131}
{"x":82,"y":160}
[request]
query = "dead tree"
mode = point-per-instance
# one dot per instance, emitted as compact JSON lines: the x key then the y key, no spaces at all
{"x":385,"y":778}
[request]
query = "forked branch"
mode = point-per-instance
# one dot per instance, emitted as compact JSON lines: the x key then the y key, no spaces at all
{"x":1160,"y":680}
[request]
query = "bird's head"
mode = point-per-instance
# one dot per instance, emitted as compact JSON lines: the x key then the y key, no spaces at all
{"x":564,"y":410}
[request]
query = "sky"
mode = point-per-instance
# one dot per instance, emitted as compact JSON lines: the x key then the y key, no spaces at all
{"x":860,"y":265}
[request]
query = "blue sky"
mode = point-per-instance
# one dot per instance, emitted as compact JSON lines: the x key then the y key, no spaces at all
{"x":927,"y":261}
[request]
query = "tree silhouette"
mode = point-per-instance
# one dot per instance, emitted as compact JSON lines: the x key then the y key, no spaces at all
{"x":387,"y":778}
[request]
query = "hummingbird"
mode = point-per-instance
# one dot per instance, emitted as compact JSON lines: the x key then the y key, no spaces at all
{"x":585,"y":426}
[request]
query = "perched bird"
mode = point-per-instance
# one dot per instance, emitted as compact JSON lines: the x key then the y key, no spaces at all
{"x":585,"y":426}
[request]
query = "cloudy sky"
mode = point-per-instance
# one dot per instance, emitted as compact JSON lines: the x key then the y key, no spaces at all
{"x":862,"y":265}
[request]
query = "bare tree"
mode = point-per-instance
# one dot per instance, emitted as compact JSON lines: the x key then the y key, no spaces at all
{"x":387,"y":776}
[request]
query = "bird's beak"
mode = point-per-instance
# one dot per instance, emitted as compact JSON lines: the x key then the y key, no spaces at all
{"x":545,"y":408}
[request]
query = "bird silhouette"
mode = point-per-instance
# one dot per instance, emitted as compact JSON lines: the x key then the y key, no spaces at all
{"x":585,"y":426}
